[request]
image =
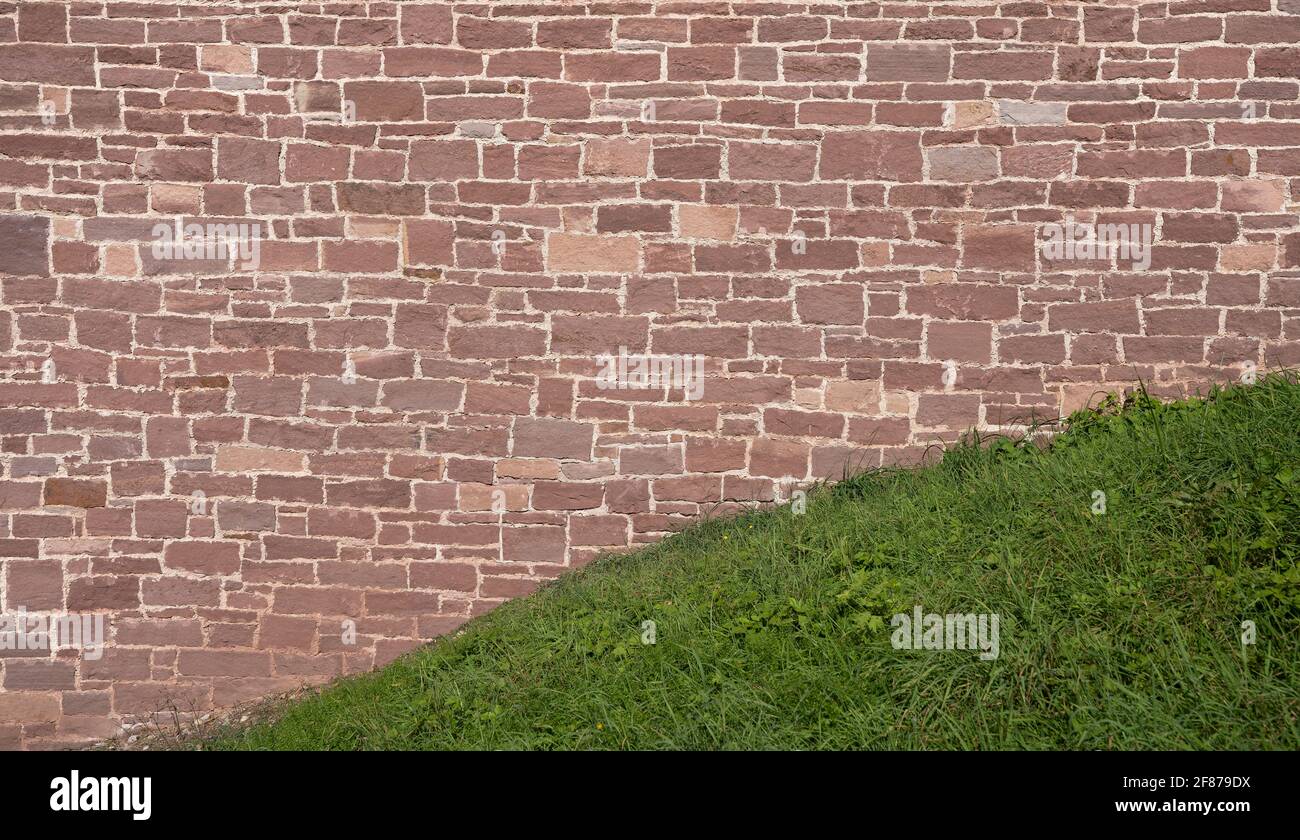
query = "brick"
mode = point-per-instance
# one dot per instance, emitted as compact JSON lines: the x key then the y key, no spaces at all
{"x":1254,"y":196}
{"x":1003,"y":66}
{"x":966,"y":301}
{"x":537,"y":544}
{"x":70,"y":492}
{"x":617,"y":157}
{"x":27,"y":247}
{"x":688,"y":162}
{"x":955,"y":163}
{"x":653,"y":218}
{"x":202,"y":557}
{"x":251,"y":161}
{"x":49,"y":64}
{"x":34,"y":584}
{"x":103,"y":593}
{"x":575,"y":33}
{"x":908,"y":63}
{"x":1110,"y":316}
{"x":426,"y":23}
{"x":1000,"y":247}
{"x":559,"y":100}
{"x":376,"y":101}
{"x":763,"y":161}
{"x":802,"y":423}
{"x":832,"y":303}
{"x":46,"y":22}
{"x":884,"y":156}
{"x":444,"y":160}
{"x":542,"y":437}
{"x":479,"y":342}
{"x":959,"y":341}
{"x":612,"y":67}
{"x":701,"y":63}
{"x":245,"y":516}
{"x":161,"y":518}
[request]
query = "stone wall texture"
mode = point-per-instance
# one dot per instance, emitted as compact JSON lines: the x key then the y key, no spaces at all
{"x":391,"y":422}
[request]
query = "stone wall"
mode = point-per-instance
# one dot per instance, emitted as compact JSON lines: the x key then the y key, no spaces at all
{"x":270,"y":468}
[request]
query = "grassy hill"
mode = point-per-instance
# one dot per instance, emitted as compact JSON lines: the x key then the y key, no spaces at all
{"x":1119,"y":629}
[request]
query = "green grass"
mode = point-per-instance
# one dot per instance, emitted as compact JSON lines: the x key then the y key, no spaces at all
{"x":1117,"y":631}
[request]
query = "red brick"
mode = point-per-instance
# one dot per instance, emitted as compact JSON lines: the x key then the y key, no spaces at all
{"x":75,"y":492}
{"x":885,"y":156}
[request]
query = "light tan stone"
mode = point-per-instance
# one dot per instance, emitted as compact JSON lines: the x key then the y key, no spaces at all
{"x":120,"y":260}
{"x":808,"y":397}
{"x":617,"y":157}
{"x":703,"y":221}
{"x":493,"y":497}
{"x":861,"y":396}
{"x":1075,"y":397}
{"x":367,"y":228}
{"x":227,"y":58}
{"x":1257,"y":257}
{"x":176,"y":198}
{"x":971,"y":114}
{"x":257,"y":458}
{"x":897,"y":402}
{"x":593,"y":254}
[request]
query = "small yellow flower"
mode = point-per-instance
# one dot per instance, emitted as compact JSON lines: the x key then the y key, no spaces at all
{"x":600,"y":726}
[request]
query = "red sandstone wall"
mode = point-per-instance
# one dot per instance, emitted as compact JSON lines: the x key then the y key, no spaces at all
{"x":647,"y":170}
